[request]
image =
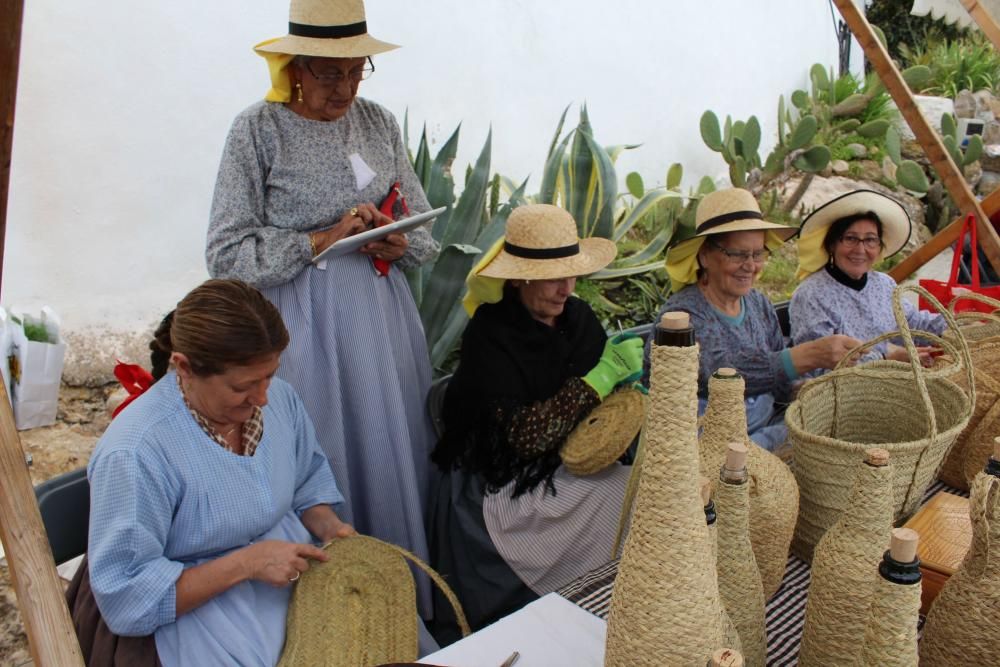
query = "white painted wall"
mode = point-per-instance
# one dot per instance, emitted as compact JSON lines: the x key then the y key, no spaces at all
{"x":123,"y":108}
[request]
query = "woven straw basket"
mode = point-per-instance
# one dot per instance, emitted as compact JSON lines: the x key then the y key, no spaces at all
{"x":914,"y":413}
{"x":603,"y":436}
{"x":363,"y":601}
{"x":774,"y":494}
{"x":962,"y":624}
{"x":972,"y":448}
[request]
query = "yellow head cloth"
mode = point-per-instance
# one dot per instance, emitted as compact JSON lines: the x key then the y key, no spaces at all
{"x":480,"y":289}
{"x":682,"y":259}
{"x":812,"y":255}
{"x":281,"y":85}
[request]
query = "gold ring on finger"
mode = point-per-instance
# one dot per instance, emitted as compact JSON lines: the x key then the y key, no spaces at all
{"x":354,"y":211}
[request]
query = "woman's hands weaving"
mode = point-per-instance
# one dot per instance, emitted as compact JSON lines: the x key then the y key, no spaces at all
{"x":279,"y":563}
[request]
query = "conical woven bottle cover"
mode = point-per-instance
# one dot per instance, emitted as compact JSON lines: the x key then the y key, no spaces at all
{"x":774,"y":493}
{"x":845,"y":566}
{"x":961,"y":624}
{"x":891,"y":635}
{"x":739,"y":578}
{"x":665,"y":607}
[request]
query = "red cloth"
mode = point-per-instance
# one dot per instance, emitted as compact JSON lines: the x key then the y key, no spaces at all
{"x":136,"y":381}
{"x":393,"y":205}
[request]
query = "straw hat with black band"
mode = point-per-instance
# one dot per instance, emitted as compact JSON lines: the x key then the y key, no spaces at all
{"x":721,"y":212}
{"x":541,"y":243}
{"x":896,"y":226}
{"x":322,"y":29}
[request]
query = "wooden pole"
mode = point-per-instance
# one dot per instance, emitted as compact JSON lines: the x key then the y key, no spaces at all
{"x":40,"y":598}
{"x":10,"y":50}
{"x":949,"y":173}
{"x":985,"y":22}
{"x":940,"y":241}
{"x":47,"y":623}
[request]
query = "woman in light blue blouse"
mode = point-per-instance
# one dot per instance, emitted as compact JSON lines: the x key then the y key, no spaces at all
{"x":209,"y":493}
{"x":839,"y":244}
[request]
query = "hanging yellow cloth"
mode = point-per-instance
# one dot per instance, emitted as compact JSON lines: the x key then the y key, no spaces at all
{"x":281,"y":85}
{"x":480,"y":289}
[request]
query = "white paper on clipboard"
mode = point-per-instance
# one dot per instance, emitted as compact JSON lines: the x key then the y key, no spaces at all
{"x":352,"y":243}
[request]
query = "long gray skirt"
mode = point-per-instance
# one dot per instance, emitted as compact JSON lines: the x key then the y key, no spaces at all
{"x":359,"y":361}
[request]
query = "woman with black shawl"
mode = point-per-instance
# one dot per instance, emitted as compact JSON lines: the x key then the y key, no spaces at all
{"x":508,"y":522}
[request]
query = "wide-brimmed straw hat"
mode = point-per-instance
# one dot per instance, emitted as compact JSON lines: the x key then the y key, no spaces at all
{"x":721,"y":212}
{"x":541,"y":243}
{"x":896,"y":225}
{"x":327,"y":29}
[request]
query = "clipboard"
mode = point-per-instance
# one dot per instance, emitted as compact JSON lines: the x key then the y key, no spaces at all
{"x":353,"y":243}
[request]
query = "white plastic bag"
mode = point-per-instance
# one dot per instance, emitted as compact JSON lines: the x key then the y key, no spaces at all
{"x":5,"y":350}
{"x":35,"y":368}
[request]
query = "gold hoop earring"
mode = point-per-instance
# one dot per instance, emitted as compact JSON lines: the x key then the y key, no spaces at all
{"x":298,"y":88}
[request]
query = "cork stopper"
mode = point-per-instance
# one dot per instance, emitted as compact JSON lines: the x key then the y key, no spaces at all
{"x":735,"y":467}
{"x":675,"y":319}
{"x":726,"y":657}
{"x":877,"y":457}
{"x":726,"y":374}
{"x":903,"y":545}
{"x":706,"y":490}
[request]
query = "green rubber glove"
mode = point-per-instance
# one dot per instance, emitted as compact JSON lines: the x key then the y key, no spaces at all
{"x":620,"y":362}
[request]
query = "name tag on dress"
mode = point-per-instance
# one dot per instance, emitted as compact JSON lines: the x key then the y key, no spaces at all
{"x":363,"y":174}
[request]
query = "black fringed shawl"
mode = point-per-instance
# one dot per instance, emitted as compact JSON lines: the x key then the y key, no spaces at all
{"x":508,"y":361}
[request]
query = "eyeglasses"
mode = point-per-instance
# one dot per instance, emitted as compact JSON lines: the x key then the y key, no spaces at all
{"x":336,"y":76}
{"x":740,"y":257}
{"x":870,"y":242}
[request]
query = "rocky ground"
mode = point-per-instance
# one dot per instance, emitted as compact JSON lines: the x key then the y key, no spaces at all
{"x":54,"y":450}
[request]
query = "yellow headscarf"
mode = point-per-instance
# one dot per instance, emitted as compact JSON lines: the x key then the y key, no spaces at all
{"x":682,"y":259}
{"x":812,"y":255}
{"x":281,"y":85}
{"x":480,"y":289}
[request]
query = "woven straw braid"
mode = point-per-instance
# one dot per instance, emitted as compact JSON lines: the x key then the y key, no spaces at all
{"x":774,"y":493}
{"x":739,"y":578}
{"x":891,"y":635}
{"x":603,"y":436}
{"x":730,"y":635}
{"x":844,"y":571}
{"x":914,"y":413}
{"x":964,"y":621}
{"x":628,"y":502}
{"x":977,"y":329}
{"x":665,"y":607}
{"x":363,"y":600}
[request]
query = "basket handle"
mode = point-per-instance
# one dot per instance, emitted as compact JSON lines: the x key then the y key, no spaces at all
{"x":463,"y":624}
{"x":975,"y":315}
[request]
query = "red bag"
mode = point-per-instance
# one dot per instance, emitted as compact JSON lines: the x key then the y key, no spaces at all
{"x":945,"y":292}
{"x":394,"y":206}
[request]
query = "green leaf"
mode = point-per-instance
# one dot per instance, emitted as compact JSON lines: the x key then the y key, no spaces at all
{"x":440,"y":187}
{"x":422,"y":163}
{"x":604,"y":274}
{"x":952,"y":147}
{"x":781,"y":120}
{"x":550,"y":192}
{"x":912,"y":177}
{"x":852,"y":106}
{"x":645,"y":206}
{"x":616,"y":150}
{"x":819,"y":78}
{"x":892,"y":145}
{"x":800,"y":99}
{"x":710,"y":133}
{"x":803,"y":133}
{"x":634,"y":184}
{"x":705,"y":185}
{"x":738,"y":129}
{"x":874,"y":128}
{"x":463,"y":224}
{"x":948,"y":126}
{"x":738,"y":172}
{"x":674,"y":175}
{"x":445,"y":286}
{"x":848,"y":126}
{"x":447,"y":340}
{"x":555,"y":137}
{"x":917,"y":77}
{"x":651,"y":251}
{"x":974,"y":150}
{"x":813,"y":160}
{"x":751,"y":141}
{"x":880,"y":35}
{"x":775,"y":162}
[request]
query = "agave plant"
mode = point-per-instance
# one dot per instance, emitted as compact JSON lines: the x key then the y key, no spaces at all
{"x":472,"y":222}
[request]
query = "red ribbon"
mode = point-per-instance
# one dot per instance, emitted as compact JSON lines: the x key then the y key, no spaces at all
{"x":135,"y":379}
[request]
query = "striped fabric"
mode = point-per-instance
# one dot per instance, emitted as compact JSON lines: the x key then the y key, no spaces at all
{"x":785,"y":611}
{"x":549,"y":540}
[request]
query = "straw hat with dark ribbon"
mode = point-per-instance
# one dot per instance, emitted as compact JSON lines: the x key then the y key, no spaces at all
{"x":541,"y":243}
{"x":896,"y":226}
{"x":327,"y":29}
{"x":721,"y":212}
